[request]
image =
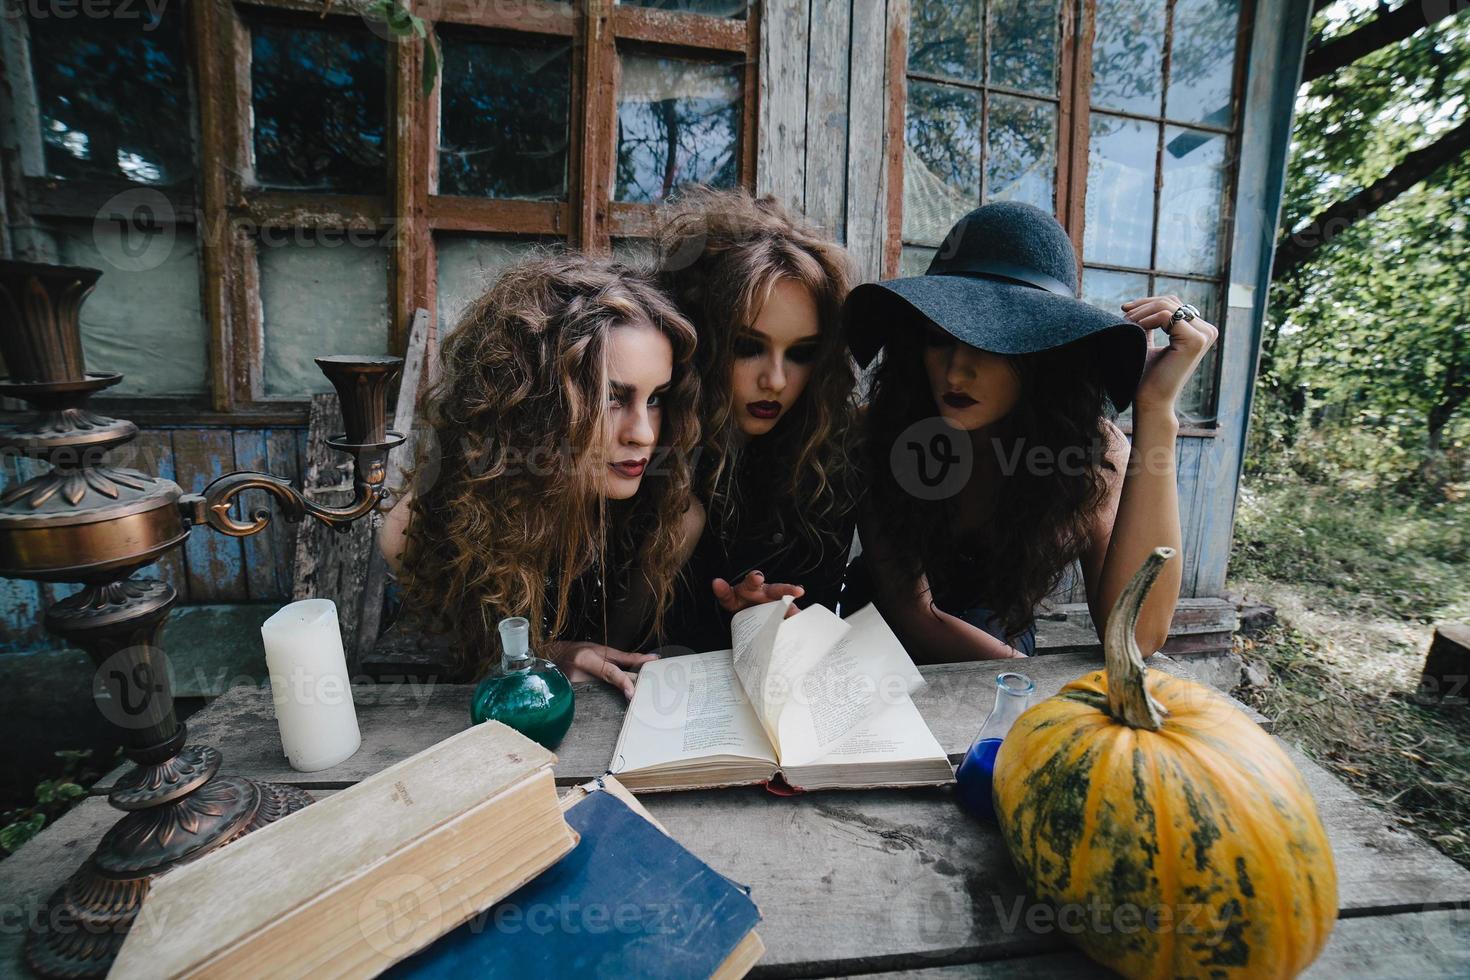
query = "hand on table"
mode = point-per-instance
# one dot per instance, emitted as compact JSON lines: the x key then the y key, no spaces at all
{"x":753,"y":590}
{"x":597,"y":661}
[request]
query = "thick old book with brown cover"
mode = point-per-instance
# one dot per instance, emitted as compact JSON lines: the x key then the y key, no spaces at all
{"x":357,"y":881}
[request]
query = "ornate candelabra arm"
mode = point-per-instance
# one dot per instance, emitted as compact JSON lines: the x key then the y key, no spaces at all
{"x":212,"y":507}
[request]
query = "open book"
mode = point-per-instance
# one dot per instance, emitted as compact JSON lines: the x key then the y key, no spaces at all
{"x":822,"y":701}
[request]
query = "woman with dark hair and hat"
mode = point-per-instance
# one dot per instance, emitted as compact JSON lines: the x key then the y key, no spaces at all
{"x":995,"y":462}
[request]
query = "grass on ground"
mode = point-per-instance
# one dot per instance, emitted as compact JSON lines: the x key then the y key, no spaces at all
{"x":1359,"y":578}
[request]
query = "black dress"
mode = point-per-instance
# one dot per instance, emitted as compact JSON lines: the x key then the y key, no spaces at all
{"x":763,"y":530}
{"x":953,"y":596}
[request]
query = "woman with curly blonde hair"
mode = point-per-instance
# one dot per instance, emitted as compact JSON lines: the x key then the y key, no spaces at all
{"x":764,"y":289}
{"x":556,"y":485}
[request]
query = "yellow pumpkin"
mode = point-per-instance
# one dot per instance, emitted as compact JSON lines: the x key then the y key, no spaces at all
{"x":1165,"y":825}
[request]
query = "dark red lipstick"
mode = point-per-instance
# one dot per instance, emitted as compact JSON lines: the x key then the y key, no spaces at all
{"x":763,"y":410}
{"x":631,"y":468}
{"x":958,"y":399}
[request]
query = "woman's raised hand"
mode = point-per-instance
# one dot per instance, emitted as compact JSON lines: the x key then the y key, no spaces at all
{"x":752,"y":590}
{"x":597,"y":661}
{"x":1168,"y":368}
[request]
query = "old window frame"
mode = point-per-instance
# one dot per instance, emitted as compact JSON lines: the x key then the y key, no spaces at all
{"x":1078,"y":28}
{"x":227,"y":211}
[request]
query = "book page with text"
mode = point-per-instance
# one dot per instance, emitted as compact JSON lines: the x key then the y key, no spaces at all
{"x":685,"y":708}
{"x":812,"y":677}
{"x":895,"y":732}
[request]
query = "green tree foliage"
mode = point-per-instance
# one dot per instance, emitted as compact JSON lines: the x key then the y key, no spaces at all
{"x":1372,"y":330}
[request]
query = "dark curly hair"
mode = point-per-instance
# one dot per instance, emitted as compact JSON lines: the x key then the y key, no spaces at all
{"x":1042,"y":514}
{"x":719,"y":254}
{"x":507,"y":512}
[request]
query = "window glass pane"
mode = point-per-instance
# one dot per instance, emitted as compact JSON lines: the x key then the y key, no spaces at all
{"x":320,"y":98}
{"x":1021,"y":152}
{"x":1191,"y":201}
{"x":1128,"y":56}
{"x":714,"y":8}
{"x":678,"y":123}
{"x":944,"y":38}
{"x":1109,"y":290}
{"x":1197,"y":400}
{"x":1202,"y":66}
{"x":1120,"y":191}
{"x":145,"y":305}
{"x":503,"y":119}
{"x":914,"y":260}
{"x":1023,"y":45}
{"x":941,"y":160}
{"x":469,"y":265}
{"x":321,"y":293}
{"x":113,"y":96}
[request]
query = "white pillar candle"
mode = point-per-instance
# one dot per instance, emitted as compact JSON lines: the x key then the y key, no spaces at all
{"x":309,"y":684}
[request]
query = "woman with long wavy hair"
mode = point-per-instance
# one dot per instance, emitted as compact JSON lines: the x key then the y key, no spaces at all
{"x":995,"y":460}
{"x":764,"y":289}
{"x":556,"y":484}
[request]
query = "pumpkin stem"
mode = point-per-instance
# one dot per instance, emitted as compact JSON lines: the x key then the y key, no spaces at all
{"x":1128,"y":698}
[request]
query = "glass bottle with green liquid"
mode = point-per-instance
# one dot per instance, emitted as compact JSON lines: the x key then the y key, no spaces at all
{"x":529,"y":694}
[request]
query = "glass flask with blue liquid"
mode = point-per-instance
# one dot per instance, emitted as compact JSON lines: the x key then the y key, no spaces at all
{"x":973,"y":778}
{"x":529,"y":694}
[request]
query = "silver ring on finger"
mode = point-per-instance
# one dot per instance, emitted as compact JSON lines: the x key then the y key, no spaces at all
{"x":1186,"y":311}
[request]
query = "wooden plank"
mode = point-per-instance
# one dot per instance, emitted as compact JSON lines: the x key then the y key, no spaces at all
{"x":896,"y":108}
{"x":398,"y":719}
{"x":596,"y":108}
{"x":153,"y":452}
{"x":1430,"y":945}
{"x":781,"y":139}
{"x":676,"y":28}
{"x":451,"y":213}
{"x":1188,"y":455}
{"x":1433,"y":943}
{"x":827,"y":115}
{"x":330,"y":564}
{"x":23,"y":602}
{"x":866,"y":218}
{"x":214,"y":75}
{"x":214,"y":562}
{"x":537,"y":16}
{"x":1280,"y":32}
{"x":399,"y":460}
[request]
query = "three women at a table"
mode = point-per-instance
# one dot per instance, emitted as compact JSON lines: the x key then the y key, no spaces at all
{"x":628,"y":456}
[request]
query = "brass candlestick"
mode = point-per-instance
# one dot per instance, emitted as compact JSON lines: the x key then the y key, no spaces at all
{"x":90,"y":522}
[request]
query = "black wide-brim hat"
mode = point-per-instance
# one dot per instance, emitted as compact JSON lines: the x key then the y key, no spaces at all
{"x":1005,"y":281}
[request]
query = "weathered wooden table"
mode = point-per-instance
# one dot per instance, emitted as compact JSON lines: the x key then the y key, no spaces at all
{"x":892,"y":881}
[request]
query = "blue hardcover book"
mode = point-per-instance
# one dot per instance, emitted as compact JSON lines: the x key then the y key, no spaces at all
{"x":627,"y":901}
